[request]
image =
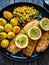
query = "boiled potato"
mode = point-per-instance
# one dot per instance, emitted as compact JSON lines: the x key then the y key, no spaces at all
{"x":8,"y":27}
{"x":16,"y":29}
{"x":7,"y":15}
{"x":14,"y":21}
{"x":1,"y":28}
{"x":3,"y":35}
{"x":2,"y":21}
{"x":11,"y":35}
{"x":4,"y":43}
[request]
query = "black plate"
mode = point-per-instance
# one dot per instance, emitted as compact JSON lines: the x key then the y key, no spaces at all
{"x":19,"y":56}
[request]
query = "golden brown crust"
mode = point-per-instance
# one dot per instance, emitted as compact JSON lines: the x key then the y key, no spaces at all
{"x":13,"y":49}
{"x":28,"y":51}
{"x":43,"y":43}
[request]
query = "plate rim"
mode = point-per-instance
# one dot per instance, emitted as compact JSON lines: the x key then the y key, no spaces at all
{"x":21,"y":60}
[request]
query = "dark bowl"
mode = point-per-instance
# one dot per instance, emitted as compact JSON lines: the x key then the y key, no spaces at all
{"x":19,"y":56}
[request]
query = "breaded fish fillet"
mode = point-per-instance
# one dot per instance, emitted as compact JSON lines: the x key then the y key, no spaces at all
{"x":43,"y":42}
{"x":14,"y":49}
{"x":28,"y":51}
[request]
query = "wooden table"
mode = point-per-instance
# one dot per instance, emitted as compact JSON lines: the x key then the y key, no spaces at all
{"x":3,"y":60}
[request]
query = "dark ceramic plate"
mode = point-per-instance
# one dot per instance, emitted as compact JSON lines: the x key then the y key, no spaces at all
{"x":19,"y":56}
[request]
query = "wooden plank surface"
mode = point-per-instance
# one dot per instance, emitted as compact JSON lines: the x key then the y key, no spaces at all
{"x":4,"y":3}
{"x":45,"y":59}
{"x":38,"y":2}
{"x":35,"y":62}
{"x":23,"y":1}
{"x":4,"y":61}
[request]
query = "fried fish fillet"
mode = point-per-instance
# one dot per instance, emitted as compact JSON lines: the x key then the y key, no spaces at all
{"x":28,"y":51}
{"x":43,"y":42}
{"x":14,"y":49}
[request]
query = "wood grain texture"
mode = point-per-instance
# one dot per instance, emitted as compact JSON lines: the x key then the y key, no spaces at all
{"x":4,"y":3}
{"x":35,"y":62}
{"x":18,"y":1}
{"x":23,"y":1}
{"x":38,"y":2}
{"x":2,"y":59}
{"x":9,"y":62}
{"x":45,"y":59}
{"x":5,"y":61}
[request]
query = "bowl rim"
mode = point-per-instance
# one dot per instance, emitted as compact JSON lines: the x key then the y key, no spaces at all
{"x":21,"y":60}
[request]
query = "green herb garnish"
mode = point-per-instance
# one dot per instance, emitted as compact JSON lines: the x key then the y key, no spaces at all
{"x":28,"y":51}
{"x":1,"y":37}
{"x":14,"y":39}
{"x":11,"y":22}
{"x":21,"y":55}
{"x":40,"y":16}
{"x":32,"y":44}
{"x":8,"y":19}
{"x":21,"y":40}
{"x":23,"y":32}
{"x":48,"y":38}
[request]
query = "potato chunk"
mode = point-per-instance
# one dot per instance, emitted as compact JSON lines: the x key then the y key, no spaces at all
{"x":8,"y":15}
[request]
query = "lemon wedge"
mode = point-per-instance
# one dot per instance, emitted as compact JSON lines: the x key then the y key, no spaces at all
{"x":34,"y":33}
{"x":21,"y":41}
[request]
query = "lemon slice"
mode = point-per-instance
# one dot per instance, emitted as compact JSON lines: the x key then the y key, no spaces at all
{"x":21,"y":41}
{"x":44,"y":23}
{"x":34,"y":33}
